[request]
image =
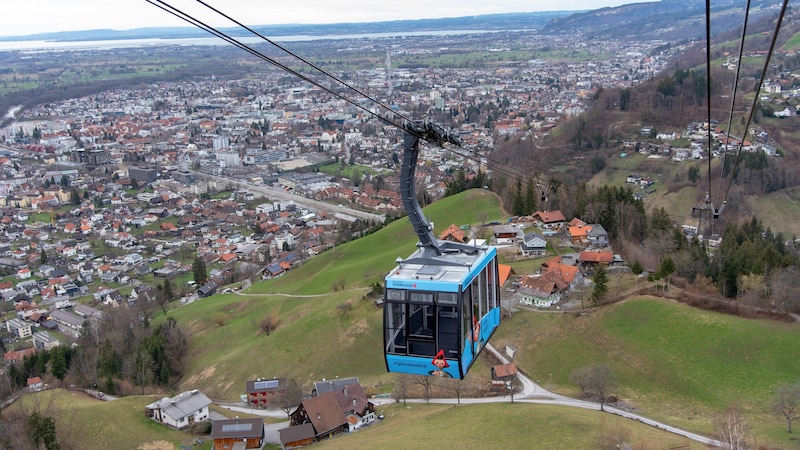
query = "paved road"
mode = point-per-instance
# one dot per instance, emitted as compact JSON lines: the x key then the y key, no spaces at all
{"x":533,"y":393}
{"x":280,"y":194}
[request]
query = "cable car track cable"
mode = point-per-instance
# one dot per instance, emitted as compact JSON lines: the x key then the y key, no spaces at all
{"x":499,"y":166}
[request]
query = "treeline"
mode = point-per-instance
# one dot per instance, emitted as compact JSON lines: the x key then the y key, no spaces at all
{"x":118,"y":355}
{"x":752,"y":263}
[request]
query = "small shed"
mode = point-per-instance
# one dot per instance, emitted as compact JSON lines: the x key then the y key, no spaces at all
{"x":208,"y":289}
{"x":297,"y":436}
{"x":238,"y":433}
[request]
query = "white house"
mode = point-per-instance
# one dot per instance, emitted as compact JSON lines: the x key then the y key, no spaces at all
{"x":182,"y":410}
{"x":533,"y":244}
{"x":19,"y":328}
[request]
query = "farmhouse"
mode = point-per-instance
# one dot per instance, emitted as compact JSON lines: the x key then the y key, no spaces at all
{"x":542,"y":291}
{"x":590,"y":259}
{"x":453,"y":234}
{"x":182,"y":410}
{"x":262,"y":393}
{"x":549,"y":219}
{"x":332,"y":412}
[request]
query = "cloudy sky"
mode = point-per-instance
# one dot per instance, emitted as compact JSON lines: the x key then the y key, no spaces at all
{"x":21,"y":17}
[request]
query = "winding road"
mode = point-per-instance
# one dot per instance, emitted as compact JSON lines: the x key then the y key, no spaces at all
{"x":531,"y":393}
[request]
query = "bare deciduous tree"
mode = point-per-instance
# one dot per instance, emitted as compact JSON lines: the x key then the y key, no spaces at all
{"x":784,"y":292}
{"x":344,"y":309}
{"x":400,"y":391}
{"x":426,"y":383}
{"x":141,"y":368}
{"x":594,"y":381}
{"x":514,"y":386}
{"x":457,"y":387}
{"x":787,"y":403}
{"x":732,"y":428}
{"x":175,"y":346}
{"x":292,"y":397}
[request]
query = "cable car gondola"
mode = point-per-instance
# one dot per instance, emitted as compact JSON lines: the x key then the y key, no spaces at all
{"x":441,"y":304}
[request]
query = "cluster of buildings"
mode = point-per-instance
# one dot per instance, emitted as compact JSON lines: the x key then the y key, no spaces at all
{"x":69,"y":265}
{"x":334,"y":407}
{"x":531,"y":236}
{"x":285,"y":124}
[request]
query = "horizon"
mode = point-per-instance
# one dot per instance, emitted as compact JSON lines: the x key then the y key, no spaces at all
{"x":57,"y":16}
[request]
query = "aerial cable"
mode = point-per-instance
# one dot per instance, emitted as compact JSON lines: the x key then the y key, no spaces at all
{"x":707,"y":204}
{"x":733,"y":96}
{"x":195,"y":22}
{"x":756,"y":96}
{"x":305,"y":61}
{"x":342,"y":82}
{"x":161,"y":4}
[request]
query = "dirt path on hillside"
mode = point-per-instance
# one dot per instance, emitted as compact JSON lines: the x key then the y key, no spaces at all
{"x":281,"y":294}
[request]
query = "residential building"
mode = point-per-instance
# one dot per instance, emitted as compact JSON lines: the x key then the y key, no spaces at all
{"x":19,"y":328}
{"x":142,"y":174}
{"x":182,"y":410}
{"x":263,"y":393}
{"x":332,"y":412}
{"x":533,"y":244}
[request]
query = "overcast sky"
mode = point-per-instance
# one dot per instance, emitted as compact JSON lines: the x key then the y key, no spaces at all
{"x":21,"y":17}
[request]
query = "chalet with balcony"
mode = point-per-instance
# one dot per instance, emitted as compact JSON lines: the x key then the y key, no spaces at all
{"x":551,"y":220}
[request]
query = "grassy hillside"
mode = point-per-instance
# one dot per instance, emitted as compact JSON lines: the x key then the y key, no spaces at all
{"x":506,"y":425}
{"x":88,"y":423}
{"x":516,"y":425}
{"x":673,"y":362}
{"x":314,"y":340}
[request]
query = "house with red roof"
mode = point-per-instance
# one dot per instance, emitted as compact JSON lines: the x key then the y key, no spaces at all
{"x":549,"y":219}
{"x":453,"y":234}
{"x":590,"y":259}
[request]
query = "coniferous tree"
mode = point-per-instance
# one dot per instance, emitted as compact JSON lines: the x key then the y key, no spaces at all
{"x":600,"y":284}
{"x":199,"y":271}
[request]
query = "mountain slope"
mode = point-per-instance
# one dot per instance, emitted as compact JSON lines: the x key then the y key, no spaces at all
{"x":665,"y":19}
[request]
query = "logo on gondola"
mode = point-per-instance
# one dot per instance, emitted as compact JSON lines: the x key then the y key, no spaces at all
{"x":404,"y":284}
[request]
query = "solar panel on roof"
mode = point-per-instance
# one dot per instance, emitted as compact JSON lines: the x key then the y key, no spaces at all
{"x":236,"y":427}
{"x":269,"y":384}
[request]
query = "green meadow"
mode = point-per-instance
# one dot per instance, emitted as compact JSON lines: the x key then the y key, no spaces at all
{"x":673,"y":363}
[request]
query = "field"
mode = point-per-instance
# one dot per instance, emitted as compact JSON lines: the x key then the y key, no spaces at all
{"x":95,"y":424}
{"x":778,"y":210}
{"x":228,"y":347}
{"x":510,"y":425}
{"x":673,"y":363}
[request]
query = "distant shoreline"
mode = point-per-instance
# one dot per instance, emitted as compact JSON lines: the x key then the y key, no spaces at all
{"x":105,"y":44}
